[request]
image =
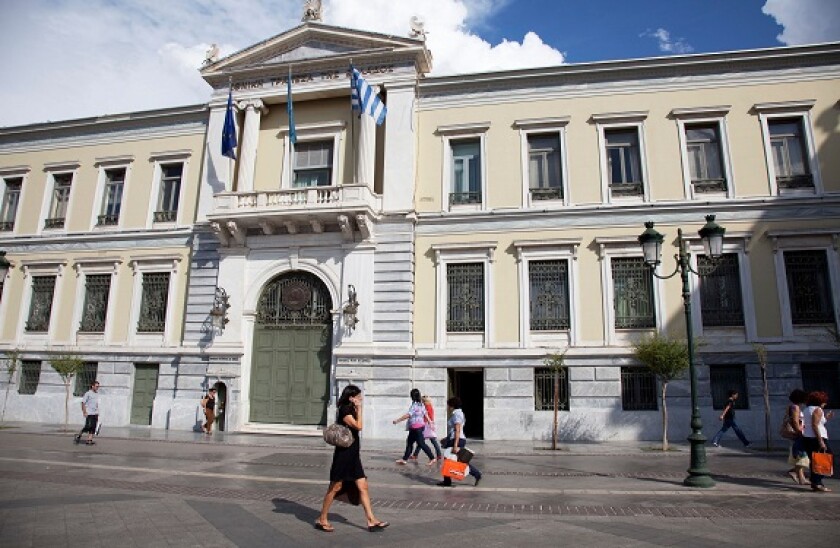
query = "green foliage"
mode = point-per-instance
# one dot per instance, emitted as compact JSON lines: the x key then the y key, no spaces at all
{"x":666,"y":358}
{"x":12,"y":359}
{"x":67,"y":366}
{"x":555,"y":361}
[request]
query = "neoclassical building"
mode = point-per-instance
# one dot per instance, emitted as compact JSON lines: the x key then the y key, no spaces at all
{"x":490,"y":221}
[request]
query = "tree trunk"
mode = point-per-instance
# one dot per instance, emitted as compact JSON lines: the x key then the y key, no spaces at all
{"x":664,"y":418}
{"x":766,"y":406}
{"x":66,"y":404}
{"x":556,"y":406}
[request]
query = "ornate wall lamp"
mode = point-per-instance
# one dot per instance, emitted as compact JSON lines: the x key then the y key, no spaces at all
{"x":351,"y":309}
{"x":218,"y":314}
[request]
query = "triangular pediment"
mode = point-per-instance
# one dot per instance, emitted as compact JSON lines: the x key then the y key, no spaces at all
{"x":316,"y":44}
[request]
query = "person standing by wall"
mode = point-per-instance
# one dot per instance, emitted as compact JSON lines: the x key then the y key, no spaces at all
{"x":208,"y":403}
{"x":455,"y":437}
{"x":90,"y":409}
{"x":728,"y":418}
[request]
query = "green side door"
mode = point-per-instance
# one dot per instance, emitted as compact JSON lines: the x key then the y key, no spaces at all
{"x":143,"y":399}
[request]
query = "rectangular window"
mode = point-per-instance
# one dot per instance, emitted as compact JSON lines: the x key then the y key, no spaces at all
{"x":624,"y":163}
{"x":704,"y":157}
{"x":40,"y":308}
{"x":544,"y":171}
{"x":30,"y":374}
{"x":549,"y":294}
{"x":790,"y":156}
{"x":11,"y":199}
{"x":823,"y":377}
{"x":85,"y":378}
{"x":633,"y":293}
{"x":465,"y":310}
{"x":720,"y":291}
{"x":638,"y":390}
{"x":466,"y":172}
{"x":313,"y":164}
{"x":545,"y":381}
{"x":809,"y":287}
{"x":170,"y":193}
{"x":112,"y":198}
{"x":60,"y":200}
{"x":95,"y":311}
{"x":155,"y":294}
{"x":724,"y":378}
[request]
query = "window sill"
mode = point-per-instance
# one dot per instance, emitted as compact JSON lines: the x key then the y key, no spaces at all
{"x":465,"y":340}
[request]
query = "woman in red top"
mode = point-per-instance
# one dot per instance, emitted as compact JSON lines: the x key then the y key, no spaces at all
{"x":430,"y":433}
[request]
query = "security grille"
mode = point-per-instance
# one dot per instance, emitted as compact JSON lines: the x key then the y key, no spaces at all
{"x":296,"y":299}
{"x":95,"y":311}
{"x":549,"y":287}
{"x":824,"y":377}
{"x":633,"y":293}
{"x":544,"y":379}
{"x":720,"y":292}
{"x":809,"y":287}
{"x":30,"y":374}
{"x":85,"y":378}
{"x":40,"y":309}
{"x":724,"y":378}
{"x":153,"y":303}
{"x":465,"y":310}
{"x":638,"y":390}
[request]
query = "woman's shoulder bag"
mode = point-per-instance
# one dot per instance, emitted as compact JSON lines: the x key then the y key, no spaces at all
{"x":338,"y":435}
{"x":787,"y":431}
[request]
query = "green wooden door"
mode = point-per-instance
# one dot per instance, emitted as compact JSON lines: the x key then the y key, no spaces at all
{"x":145,"y":386}
{"x":290,"y":375}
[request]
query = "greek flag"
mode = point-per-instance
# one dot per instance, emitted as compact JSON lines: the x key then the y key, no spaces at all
{"x":229,"y":130}
{"x":363,"y":98}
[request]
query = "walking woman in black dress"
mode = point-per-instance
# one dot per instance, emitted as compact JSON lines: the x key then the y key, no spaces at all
{"x":347,"y":463}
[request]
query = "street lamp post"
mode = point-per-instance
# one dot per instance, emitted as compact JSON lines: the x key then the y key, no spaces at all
{"x":712,"y":237}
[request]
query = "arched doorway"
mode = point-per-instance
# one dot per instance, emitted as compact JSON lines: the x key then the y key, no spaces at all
{"x":292,"y":351}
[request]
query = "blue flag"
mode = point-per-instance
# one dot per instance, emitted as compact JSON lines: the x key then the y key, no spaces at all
{"x":290,"y":110}
{"x":229,"y":130}
{"x":363,"y":98}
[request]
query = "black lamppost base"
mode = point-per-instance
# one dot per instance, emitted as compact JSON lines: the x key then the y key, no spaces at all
{"x":698,"y":474}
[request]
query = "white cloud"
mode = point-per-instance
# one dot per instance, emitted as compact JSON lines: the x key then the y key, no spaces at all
{"x":666,"y":44}
{"x":805,"y":21}
{"x":73,"y":59}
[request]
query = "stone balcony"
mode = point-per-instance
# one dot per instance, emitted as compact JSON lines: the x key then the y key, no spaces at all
{"x":348,"y":209}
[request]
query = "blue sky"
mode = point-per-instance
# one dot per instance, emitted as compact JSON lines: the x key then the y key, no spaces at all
{"x":68,"y":59}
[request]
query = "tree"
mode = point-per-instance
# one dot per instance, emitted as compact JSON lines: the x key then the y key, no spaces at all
{"x":67,"y":367}
{"x":555,"y":363}
{"x":761,"y":353}
{"x":667,"y":359}
{"x":12,"y":359}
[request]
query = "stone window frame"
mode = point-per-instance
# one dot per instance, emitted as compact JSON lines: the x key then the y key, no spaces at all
{"x":460,"y":132}
{"x":51,"y":170}
{"x":84,"y":268}
{"x":709,"y":116}
{"x":334,"y":131}
{"x":445,"y":254}
{"x":13,"y":172}
{"x":544,"y":126}
{"x":622,"y":120}
{"x":160,"y":159}
{"x":103,"y":165}
{"x":153,"y":264}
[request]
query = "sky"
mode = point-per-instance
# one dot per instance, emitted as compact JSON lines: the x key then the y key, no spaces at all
{"x":65,"y":59}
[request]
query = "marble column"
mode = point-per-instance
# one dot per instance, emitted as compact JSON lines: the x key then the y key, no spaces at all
{"x":254,"y":109}
{"x":366,"y":149}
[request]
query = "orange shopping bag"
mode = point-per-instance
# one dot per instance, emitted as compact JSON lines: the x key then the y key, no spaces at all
{"x":822,"y":463}
{"x":454,"y":469}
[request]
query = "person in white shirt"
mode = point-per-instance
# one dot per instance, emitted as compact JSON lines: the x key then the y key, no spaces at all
{"x":90,"y":409}
{"x":815,"y":434}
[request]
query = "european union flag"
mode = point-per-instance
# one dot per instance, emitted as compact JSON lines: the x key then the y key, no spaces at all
{"x":229,"y":130}
{"x":290,"y":110}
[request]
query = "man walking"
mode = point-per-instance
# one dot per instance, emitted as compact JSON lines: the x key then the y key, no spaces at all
{"x":90,"y":409}
{"x":728,"y":418}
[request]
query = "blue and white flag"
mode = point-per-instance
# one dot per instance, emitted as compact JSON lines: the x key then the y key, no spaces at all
{"x":290,"y":109}
{"x":364,"y":99}
{"x":229,"y":130}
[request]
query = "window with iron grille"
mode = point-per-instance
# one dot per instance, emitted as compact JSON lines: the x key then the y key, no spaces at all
{"x":30,"y":374}
{"x":313,"y":163}
{"x":624,"y":163}
{"x":465,"y":310}
{"x":40,"y":308}
{"x":720,"y":291}
{"x":638,"y":390}
{"x":85,"y":378}
{"x":155,"y":294}
{"x":466,"y":172}
{"x":11,"y":200}
{"x":544,"y":379}
{"x":112,"y":198}
{"x":549,"y":293}
{"x":95,"y":311}
{"x":544,"y":174}
{"x":704,"y":157}
{"x":790,"y":157}
{"x":809,"y":287}
{"x":822,"y":377}
{"x":632,"y":293}
{"x":724,"y":378}
{"x":170,"y":193}
{"x":60,"y":199}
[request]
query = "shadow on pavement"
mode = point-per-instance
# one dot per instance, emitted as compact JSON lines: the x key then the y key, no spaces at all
{"x":309,"y":515}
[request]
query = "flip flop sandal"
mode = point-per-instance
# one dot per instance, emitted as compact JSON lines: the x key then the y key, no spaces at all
{"x":325,"y":528}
